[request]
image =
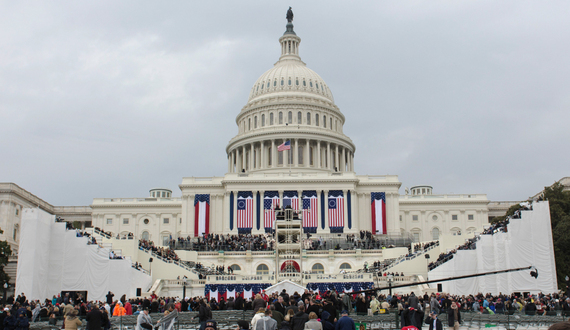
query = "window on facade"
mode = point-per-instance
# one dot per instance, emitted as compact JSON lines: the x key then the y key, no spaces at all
{"x":280,"y":157}
{"x":255,"y":122}
{"x":317,"y":119}
{"x":271,"y":118}
{"x":280,"y":118}
{"x":109,"y":221}
{"x":300,"y":155}
{"x":17,"y":212}
{"x":289,"y":81}
{"x":262,"y":270}
{"x":125,"y":221}
{"x":145,"y":236}
{"x":282,"y":82}
{"x":299,"y":117}
{"x":435,"y":234}
{"x":415,"y":217}
{"x":311,"y":83}
{"x":330,"y":123}
{"x":434,"y":218}
{"x":166,"y":221}
{"x":270,"y":161}
{"x":454,"y":217}
{"x":165,"y":240}
{"x":146,"y":221}
{"x":15,"y":234}
{"x":249,"y":124}
{"x":297,"y":81}
{"x":345,"y":266}
{"x":470,"y":217}
{"x":235,"y":267}
{"x":325,"y":121}
{"x":275,"y":83}
{"x":268,"y":84}
{"x":400,"y":217}
{"x":304,"y":83}
{"x":290,"y":117}
{"x":263,"y":83}
{"x":318,"y":269}
{"x":263,"y":120}
{"x":308,"y":118}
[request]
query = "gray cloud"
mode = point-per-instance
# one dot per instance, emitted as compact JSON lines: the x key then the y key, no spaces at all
{"x":108,"y":99}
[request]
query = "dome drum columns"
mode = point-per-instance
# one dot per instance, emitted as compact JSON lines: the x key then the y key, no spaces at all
{"x":304,"y":154}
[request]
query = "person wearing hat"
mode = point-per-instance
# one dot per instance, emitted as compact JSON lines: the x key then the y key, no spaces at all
{"x":433,"y":321}
{"x":209,"y":325}
{"x":144,"y":322}
{"x":72,"y":322}
{"x":345,"y":322}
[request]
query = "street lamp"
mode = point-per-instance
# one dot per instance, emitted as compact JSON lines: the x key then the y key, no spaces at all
{"x":6,"y":285}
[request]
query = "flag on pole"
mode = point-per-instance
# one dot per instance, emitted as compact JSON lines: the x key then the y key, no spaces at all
{"x":201,"y":214}
{"x":310,"y":211}
{"x":336,"y":211}
{"x":378,"y":213}
{"x":244,"y":212}
{"x":285,"y":146}
{"x":270,"y":202}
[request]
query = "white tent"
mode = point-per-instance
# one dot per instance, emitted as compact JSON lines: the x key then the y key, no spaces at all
{"x":287,"y":285}
{"x":52,"y":259}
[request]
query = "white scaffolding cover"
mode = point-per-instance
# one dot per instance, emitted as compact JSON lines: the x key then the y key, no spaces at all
{"x":52,"y":259}
{"x":528,"y":242}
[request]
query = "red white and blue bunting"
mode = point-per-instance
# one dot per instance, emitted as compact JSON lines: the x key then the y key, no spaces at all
{"x":219,"y":291}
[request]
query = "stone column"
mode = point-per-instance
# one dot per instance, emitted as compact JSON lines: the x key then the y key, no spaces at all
{"x":318,"y":155}
{"x":345,"y":195}
{"x":343,"y":160}
{"x":281,"y":198}
{"x":327,"y":227}
{"x":336,"y":158}
{"x":307,"y":154}
{"x":300,"y":196}
{"x":263,"y":158}
{"x":273,"y":158}
{"x":296,"y":154}
{"x":238,"y":160}
{"x":328,"y":158}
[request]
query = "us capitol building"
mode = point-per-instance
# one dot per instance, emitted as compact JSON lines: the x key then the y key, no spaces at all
{"x":291,"y":106}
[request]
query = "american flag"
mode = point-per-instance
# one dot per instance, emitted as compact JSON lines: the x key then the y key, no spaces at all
{"x":336,"y":211}
{"x":244,"y":211}
{"x":310,"y":212}
{"x":270,"y":201}
{"x":290,"y":199}
{"x":378,"y":211}
{"x":285,"y":146}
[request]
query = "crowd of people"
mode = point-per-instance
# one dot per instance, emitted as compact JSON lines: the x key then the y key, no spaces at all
{"x":216,"y":242}
{"x":420,"y":247}
{"x":162,"y":252}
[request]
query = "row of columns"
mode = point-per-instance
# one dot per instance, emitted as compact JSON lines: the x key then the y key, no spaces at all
{"x":264,"y":155}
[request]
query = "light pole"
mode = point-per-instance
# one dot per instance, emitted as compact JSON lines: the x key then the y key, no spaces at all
{"x":5,"y":289}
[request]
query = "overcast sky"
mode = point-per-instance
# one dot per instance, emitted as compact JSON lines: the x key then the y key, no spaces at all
{"x":113,"y":98}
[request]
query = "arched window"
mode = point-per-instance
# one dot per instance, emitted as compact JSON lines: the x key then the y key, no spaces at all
{"x":262,"y":120}
{"x":304,"y":83}
{"x":249,"y":124}
{"x":435,"y":233}
{"x":280,"y":118}
{"x":289,"y":81}
{"x":271,"y":118}
{"x":262,"y":270}
{"x":255,"y":122}
{"x":268,"y":84}
{"x":308,"y":118}
{"x":263,"y":83}
{"x":325,"y":121}
{"x":299,"y":117}
{"x":145,"y":235}
{"x":235,"y":267}
{"x":297,"y":81}
{"x":311,"y":83}
{"x":317,"y":119}
{"x":318,"y":269}
{"x":282,"y":81}
{"x":275,"y":82}
{"x":345,"y":266}
{"x":290,"y":117}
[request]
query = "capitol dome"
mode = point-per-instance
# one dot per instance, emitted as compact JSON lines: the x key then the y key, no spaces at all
{"x":290,"y":103}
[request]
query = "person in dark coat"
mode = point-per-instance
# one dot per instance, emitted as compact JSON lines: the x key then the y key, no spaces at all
{"x":299,"y":320}
{"x":325,"y":317}
{"x":413,"y":301}
{"x":94,"y":319}
{"x":22,"y":322}
{"x":453,"y":316}
{"x":110,"y":296}
{"x":332,"y":311}
{"x":9,"y":321}
{"x":434,"y":322}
